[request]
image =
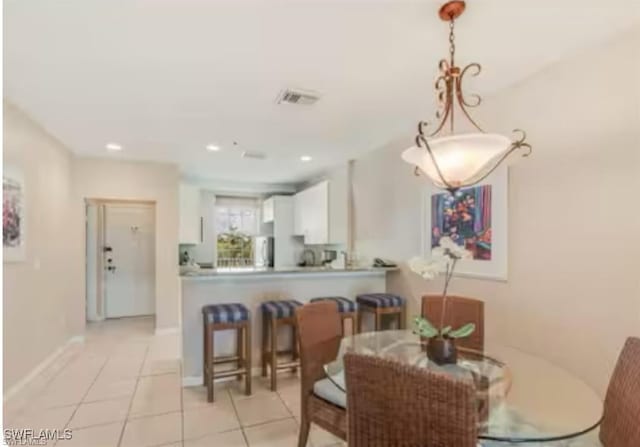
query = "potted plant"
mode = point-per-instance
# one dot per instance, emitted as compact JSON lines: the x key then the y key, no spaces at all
{"x":441,"y":346}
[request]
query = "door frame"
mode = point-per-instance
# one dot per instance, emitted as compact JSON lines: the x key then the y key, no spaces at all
{"x":95,"y":264}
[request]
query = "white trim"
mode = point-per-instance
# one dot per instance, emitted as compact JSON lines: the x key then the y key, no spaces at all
{"x":197,"y":380}
{"x":15,"y":389}
{"x":167,"y":331}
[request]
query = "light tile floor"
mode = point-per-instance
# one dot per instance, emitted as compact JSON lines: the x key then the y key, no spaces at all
{"x":122,"y":388}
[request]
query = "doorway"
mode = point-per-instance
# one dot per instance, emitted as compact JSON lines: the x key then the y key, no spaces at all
{"x":120,"y":259}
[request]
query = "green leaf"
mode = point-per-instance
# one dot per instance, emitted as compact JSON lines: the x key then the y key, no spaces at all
{"x":463,"y":331}
{"x":424,"y":328}
{"x":445,"y":330}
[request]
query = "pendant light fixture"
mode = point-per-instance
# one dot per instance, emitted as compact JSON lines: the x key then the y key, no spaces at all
{"x":456,"y":160}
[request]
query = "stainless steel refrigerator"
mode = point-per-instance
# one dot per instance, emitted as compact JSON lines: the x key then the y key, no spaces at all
{"x":263,"y":251}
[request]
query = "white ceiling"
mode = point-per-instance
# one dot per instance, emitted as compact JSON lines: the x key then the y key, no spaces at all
{"x":166,"y":77}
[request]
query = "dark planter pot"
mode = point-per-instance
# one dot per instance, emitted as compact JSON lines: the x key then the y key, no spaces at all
{"x":442,"y":351}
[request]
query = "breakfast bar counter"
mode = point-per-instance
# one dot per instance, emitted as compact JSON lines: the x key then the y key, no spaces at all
{"x":251,"y":287}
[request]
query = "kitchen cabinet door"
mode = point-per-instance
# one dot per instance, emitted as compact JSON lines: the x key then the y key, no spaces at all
{"x":299,"y":204}
{"x":316,"y":214}
{"x":268,"y":210}
{"x":190,"y":217}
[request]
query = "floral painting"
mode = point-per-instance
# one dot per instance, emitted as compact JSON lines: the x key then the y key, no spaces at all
{"x":465,"y":218}
{"x":13,"y":225}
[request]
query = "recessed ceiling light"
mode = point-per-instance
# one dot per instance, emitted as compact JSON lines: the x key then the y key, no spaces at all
{"x":213,"y":148}
{"x":306,"y":158}
{"x":113,"y":147}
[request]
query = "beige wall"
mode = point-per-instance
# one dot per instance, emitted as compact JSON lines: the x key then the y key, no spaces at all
{"x":44,"y":297}
{"x":41,"y":295}
{"x":573,"y":292}
{"x":158,"y":182}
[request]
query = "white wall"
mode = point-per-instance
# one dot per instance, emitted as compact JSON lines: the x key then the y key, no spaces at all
{"x":573,"y":293}
{"x":158,"y":182}
{"x":43,"y":299}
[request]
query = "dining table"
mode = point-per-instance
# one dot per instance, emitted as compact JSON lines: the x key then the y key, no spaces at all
{"x":522,"y":398}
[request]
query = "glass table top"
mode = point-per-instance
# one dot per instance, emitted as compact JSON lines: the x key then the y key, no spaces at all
{"x":521,"y":397}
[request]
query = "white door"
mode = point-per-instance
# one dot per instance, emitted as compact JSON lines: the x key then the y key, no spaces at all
{"x":129,"y":260}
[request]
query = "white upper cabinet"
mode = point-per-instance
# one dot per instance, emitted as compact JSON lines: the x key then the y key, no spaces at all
{"x":298,"y":213}
{"x":268,"y":210}
{"x":320,"y":214}
{"x":190,"y":216}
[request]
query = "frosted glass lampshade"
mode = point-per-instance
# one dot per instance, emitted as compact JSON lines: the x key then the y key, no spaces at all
{"x":463,"y":159}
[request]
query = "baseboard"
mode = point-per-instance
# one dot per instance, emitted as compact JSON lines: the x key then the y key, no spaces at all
{"x":167,"y":331}
{"x":76,"y":339}
{"x":197,"y":380}
{"x":15,"y":389}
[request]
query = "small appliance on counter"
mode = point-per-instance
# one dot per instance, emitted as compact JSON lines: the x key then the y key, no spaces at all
{"x":308,"y":258}
{"x":340,"y":262}
{"x":263,"y":251}
{"x":328,"y":256}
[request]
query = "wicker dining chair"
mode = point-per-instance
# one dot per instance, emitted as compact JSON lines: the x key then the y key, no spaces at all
{"x":621,"y":420}
{"x":460,"y":311}
{"x":397,"y":405}
{"x":319,"y":335}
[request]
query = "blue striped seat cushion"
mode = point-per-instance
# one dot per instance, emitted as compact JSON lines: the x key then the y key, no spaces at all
{"x":226,"y":313}
{"x":380,"y":300}
{"x":280,"y":308}
{"x":344,"y":304}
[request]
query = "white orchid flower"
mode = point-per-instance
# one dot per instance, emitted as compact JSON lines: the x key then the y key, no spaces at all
{"x":440,"y":257}
{"x":428,"y":269}
{"x":449,"y":248}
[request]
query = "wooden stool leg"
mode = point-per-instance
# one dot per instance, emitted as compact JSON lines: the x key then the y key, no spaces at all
{"x":273,"y":358}
{"x":239,"y":350}
{"x":247,"y":358}
{"x":265,"y":334}
{"x":205,"y":351}
{"x":403,"y":318}
{"x":294,"y":347}
{"x":210,"y":375}
{"x":360,"y":315}
{"x":378,"y":320}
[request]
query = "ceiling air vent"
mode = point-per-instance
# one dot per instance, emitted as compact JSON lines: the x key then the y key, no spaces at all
{"x":254,"y":155}
{"x":299,"y":97}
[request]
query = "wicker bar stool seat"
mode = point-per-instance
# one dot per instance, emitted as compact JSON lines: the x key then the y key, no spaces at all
{"x":276,"y":314}
{"x":217,"y":317}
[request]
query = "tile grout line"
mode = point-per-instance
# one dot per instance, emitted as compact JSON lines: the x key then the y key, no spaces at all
{"x":233,"y":404}
{"x":309,"y":442}
{"x":75,"y":410}
{"x":135,"y":389}
{"x":45,"y":386}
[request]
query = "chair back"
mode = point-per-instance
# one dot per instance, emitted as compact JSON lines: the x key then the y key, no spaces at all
{"x":460,"y":311}
{"x":319,"y":335}
{"x":621,"y":420}
{"x":396,"y":405}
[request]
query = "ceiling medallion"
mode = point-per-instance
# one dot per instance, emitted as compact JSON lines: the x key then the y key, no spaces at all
{"x":453,"y":161}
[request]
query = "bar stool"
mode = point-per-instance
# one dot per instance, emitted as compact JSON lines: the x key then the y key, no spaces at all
{"x":382,"y":304}
{"x":218,"y":317}
{"x":347,"y":308}
{"x":276,"y":314}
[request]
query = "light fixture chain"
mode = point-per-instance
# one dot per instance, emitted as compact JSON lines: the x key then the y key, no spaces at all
{"x":452,"y":44}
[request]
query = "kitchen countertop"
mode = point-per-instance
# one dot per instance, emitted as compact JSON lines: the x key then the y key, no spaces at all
{"x":187,"y":273}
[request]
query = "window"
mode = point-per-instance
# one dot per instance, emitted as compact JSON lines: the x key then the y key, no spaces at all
{"x":236,"y":223}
